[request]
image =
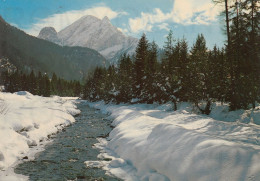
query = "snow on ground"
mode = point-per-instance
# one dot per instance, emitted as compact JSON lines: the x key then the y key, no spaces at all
{"x":152,"y":142}
{"x":27,"y":120}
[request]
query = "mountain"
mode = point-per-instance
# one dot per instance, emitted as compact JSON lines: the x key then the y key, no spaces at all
{"x":30,"y":53}
{"x":49,"y":34}
{"x":96,"y":34}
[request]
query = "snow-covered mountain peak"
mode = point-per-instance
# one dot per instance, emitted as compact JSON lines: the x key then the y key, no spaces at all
{"x":87,"y":19}
{"x":97,"y":34}
{"x":106,"y":20}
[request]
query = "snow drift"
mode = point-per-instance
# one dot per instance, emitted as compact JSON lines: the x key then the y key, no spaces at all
{"x":152,"y":142}
{"x":26,"y":120}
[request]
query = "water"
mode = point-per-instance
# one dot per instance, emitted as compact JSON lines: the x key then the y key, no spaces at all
{"x":63,"y":159}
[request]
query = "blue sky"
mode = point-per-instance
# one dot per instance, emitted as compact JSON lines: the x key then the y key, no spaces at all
{"x":187,"y":18}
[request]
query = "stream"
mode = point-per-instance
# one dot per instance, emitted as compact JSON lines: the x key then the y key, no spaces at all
{"x":64,"y":157}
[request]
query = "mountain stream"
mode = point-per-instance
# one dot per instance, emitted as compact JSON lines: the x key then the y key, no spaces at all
{"x":64,"y":157}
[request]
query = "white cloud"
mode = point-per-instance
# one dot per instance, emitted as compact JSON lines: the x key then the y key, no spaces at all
{"x":145,"y":22}
{"x":164,"y":26}
{"x":123,"y":30}
{"x":60,"y":21}
{"x":184,"y":12}
{"x":194,"y":12}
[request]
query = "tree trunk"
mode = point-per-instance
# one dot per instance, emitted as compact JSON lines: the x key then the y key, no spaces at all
{"x":227,"y":21}
{"x":175,"y":105}
{"x":207,"y":109}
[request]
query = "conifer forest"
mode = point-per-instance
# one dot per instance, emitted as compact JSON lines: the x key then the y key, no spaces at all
{"x":196,"y":74}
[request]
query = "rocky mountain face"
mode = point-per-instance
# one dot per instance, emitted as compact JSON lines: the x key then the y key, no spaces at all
{"x":28,"y":53}
{"x":93,"y":33}
{"x":49,"y":34}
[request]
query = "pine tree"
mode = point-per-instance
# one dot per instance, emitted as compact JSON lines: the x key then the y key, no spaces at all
{"x":94,"y":87}
{"x":125,"y":79}
{"x":110,"y":84}
{"x":251,"y":15}
{"x":41,"y":84}
{"x":184,"y":70}
{"x":76,"y":88}
{"x":13,"y":87}
{"x":168,"y":60}
{"x":47,"y":88}
{"x":243,"y":55}
{"x":5,"y":79}
{"x":54,"y":82}
{"x":150,"y":73}
{"x":199,"y":83}
{"x":139,"y":66}
{"x":218,"y":75}
{"x":32,"y":83}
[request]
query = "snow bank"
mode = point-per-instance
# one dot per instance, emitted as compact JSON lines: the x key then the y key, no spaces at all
{"x":221,"y":112}
{"x":26,"y":120}
{"x":151,"y":142}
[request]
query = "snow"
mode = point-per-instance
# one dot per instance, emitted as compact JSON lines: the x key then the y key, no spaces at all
{"x":27,"y":120}
{"x":99,"y":35}
{"x":152,"y":142}
{"x":111,"y":51}
{"x":94,"y":33}
{"x":148,"y":142}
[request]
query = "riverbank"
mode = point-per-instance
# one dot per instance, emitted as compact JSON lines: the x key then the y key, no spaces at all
{"x":26,"y":121}
{"x":63,"y":158}
{"x":152,"y":142}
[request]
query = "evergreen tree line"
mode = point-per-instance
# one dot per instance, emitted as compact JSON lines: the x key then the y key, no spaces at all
{"x":40,"y":84}
{"x":242,"y":19}
{"x":197,"y":75}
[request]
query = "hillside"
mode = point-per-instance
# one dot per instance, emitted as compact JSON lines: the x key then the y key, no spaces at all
{"x":29,"y":53}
